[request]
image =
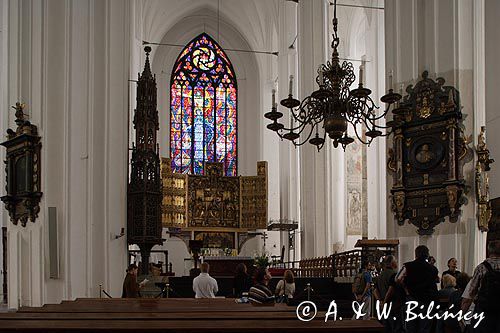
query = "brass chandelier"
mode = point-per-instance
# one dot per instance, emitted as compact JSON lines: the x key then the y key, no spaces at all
{"x":333,"y":107}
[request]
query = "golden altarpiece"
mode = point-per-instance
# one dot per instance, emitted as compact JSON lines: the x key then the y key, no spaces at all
{"x":215,"y":209}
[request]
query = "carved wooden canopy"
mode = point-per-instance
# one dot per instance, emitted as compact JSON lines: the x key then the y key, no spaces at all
{"x":427,"y":156}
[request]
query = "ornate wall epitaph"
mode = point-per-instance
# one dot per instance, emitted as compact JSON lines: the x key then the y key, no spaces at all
{"x":428,"y":155}
{"x":22,"y":169}
{"x":144,"y":197}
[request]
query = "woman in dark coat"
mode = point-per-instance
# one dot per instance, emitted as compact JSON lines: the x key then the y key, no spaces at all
{"x":130,"y":285}
{"x":241,"y":282}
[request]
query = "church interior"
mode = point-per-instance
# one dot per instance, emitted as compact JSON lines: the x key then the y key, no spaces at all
{"x":314,"y":137}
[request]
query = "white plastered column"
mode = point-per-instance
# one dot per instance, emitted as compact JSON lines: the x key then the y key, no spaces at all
{"x":445,"y":38}
{"x":287,"y":65}
{"x":315,"y":177}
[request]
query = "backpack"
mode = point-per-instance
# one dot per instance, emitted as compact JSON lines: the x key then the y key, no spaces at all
{"x":359,"y":284}
{"x":489,"y":292}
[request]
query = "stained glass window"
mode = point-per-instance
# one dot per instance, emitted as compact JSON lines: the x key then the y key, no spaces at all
{"x":203,"y":108}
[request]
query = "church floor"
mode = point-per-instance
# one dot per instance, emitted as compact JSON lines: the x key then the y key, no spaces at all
{"x":170,"y":315}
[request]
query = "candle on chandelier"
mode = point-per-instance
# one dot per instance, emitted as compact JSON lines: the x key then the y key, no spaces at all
{"x":361,"y":70}
{"x":390,"y":79}
{"x":274,"y":98}
{"x":290,"y":87}
{"x":321,"y":76}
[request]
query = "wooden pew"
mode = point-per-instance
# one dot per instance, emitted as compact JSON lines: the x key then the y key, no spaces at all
{"x":169,"y":315}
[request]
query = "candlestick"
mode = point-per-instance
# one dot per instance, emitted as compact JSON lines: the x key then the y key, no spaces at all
{"x":361,"y":68}
{"x":401,"y":87}
{"x":321,"y":78}
{"x":274,"y":98}
{"x":290,"y":87}
{"x":390,"y":79}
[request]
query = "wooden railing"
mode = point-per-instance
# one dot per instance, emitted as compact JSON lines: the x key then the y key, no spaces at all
{"x":342,"y":266}
{"x":315,"y":267}
{"x":346,"y":265}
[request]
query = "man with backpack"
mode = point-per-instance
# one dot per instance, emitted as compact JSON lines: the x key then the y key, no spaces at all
{"x":419,"y":278}
{"x":484,"y":290}
{"x":362,"y":290}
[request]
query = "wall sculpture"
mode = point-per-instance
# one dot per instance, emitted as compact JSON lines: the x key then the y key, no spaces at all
{"x":482,"y":182}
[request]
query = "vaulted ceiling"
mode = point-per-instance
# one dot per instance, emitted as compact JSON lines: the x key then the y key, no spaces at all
{"x":254,"y":19}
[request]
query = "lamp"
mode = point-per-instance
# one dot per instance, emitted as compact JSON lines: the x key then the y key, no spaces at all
{"x":333,"y":107}
{"x":121,"y":234}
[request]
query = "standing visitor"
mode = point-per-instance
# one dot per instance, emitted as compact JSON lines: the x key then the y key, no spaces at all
{"x":241,"y":282}
{"x":452,"y":270}
{"x":484,"y":290}
{"x":362,"y":290}
{"x":130,"y":286}
{"x":383,"y":280}
{"x":419,"y":279}
{"x":204,"y":285}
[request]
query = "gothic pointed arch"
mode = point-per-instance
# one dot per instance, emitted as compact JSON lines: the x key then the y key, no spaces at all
{"x":203,"y":108}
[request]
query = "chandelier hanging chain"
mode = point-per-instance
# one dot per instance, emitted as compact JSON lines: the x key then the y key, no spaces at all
{"x":334,"y":107}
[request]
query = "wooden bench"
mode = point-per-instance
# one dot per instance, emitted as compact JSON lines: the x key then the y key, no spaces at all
{"x":170,"y":315}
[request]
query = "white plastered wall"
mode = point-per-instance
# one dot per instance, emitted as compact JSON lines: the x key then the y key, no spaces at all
{"x":68,"y":61}
{"x":447,"y":39}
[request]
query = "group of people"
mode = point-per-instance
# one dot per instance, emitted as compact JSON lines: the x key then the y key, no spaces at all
{"x":256,"y":288}
{"x":418,"y":281}
{"x":415,"y":282}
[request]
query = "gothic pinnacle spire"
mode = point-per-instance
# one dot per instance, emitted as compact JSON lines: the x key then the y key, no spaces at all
{"x":146,"y":73}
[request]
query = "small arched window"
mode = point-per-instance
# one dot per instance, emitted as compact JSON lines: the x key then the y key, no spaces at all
{"x":203,"y":108}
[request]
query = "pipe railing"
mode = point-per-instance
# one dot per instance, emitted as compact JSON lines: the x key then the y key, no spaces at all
{"x":102,"y":291}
